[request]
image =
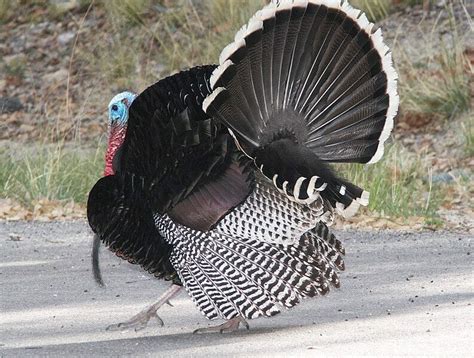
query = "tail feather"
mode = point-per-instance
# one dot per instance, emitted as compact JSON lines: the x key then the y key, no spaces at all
{"x":294,"y":29}
{"x":304,"y":83}
{"x":267,"y":25}
{"x":256,"y":59}
{"x":307,"y":23}
{"x":323,"y":63}
{"x":362,"y":95}
{"x":280,"y":35}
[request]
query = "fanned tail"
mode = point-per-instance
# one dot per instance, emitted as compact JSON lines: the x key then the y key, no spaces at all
{"x":303,"y":84}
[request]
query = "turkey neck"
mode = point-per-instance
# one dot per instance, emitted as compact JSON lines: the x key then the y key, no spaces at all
{"x":116,"y":138}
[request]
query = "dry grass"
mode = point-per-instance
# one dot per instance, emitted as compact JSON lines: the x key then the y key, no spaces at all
{"x":437,"y":83}
{"x":377,"y":10}
{"x":183,"y":35}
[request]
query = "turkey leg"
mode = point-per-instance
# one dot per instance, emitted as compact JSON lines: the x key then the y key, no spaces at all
{"x":140,"y":320}
{"x":226,"y":327}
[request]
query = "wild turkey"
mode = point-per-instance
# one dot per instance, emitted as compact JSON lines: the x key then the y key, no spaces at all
{"x":217,"y":178}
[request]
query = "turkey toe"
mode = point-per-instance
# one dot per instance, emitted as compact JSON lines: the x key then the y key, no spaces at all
{"x":230,"y":326}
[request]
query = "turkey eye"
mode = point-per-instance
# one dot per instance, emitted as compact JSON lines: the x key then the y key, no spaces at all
{"x":114,"y":107}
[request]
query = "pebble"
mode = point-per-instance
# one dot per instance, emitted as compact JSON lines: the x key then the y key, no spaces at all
{"x":17,"y":43}
{"x":14,"y":237}
{"x":447,"y":177}
{"x":10,"y":104}
{"x":56,"y":77}
{"x":65,"y":38}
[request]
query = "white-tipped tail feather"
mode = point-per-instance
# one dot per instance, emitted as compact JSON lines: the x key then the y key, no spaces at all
{"x":315,"y":74}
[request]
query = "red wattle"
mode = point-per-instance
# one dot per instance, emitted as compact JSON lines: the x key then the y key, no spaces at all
{"x":116,"y":138}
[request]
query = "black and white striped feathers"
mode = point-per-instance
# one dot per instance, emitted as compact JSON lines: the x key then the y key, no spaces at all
{"x":266,"y":254}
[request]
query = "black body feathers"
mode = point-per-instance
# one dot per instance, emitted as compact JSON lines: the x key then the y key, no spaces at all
{"x":125,"y":224}
{"x":171,"y":162}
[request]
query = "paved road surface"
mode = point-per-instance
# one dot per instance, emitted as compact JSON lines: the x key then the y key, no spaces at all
{"x":402,"y":294}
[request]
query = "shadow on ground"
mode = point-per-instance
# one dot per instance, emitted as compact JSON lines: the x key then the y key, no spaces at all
{"x":402,"y":293}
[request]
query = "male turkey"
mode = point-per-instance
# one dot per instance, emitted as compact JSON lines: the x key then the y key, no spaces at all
{"x":217,"y":178}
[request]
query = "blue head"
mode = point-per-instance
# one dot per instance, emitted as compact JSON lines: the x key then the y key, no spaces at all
{"x":118,"y":108}
{"x":118,"y":118}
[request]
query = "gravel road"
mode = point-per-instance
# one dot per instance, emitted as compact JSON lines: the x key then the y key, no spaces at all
{"x":401,"y":294}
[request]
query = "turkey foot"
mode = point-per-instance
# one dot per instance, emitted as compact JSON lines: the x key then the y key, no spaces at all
{"x":140,"y":320}
{"x":226,"y":327}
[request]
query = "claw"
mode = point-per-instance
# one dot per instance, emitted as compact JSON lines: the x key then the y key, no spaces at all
{"x":140,"y":320}
{"x":226,"y":327}
{"x":140,"y":327}
{"x":160,"y":321}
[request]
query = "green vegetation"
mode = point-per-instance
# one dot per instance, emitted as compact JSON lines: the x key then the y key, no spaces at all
{"x":399,"y":185}
{"x":116,"y":63}
{"x":467,"y":128}
{"x":4,"y":10}
{"x":16,"y":67}
{"x":186,"y":34}
{"x":375,"y":10}
{"x":127,"y":12}
{"x":54,"y":172}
